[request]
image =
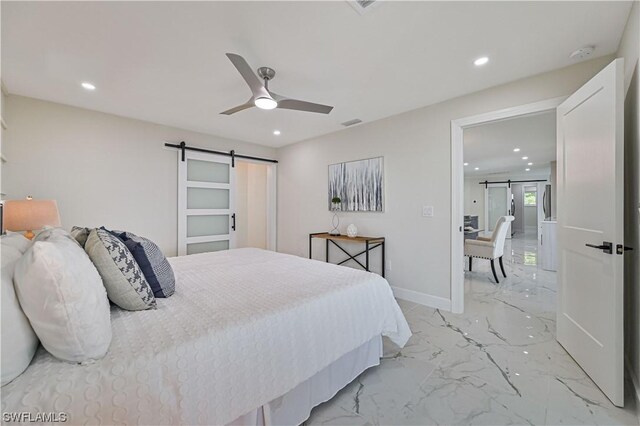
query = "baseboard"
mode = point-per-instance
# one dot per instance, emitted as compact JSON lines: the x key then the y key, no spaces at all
{"x":422,"y":298}
{"x":636,"y":387}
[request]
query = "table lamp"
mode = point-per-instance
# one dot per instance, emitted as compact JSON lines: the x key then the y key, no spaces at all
{"x":29,"y":215}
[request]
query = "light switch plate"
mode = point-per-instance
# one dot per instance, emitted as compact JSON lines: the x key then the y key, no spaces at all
{"x":427,"y":211}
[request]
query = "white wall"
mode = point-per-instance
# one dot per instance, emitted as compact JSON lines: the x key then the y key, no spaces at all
{"x":630,"y":50}
{"x":2,"y":135}
{"x":416,"y":150}
{"x":101,"y":168}
{"x":251,"y":205}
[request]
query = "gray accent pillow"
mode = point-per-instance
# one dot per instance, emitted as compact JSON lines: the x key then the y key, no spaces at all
{"x":80,"y":234}
{"x":121,"y":275}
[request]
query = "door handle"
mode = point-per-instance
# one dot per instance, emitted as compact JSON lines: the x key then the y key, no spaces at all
{"x":606,"y":247}
{"x":233,"y":221}
{"x":620,"y":249}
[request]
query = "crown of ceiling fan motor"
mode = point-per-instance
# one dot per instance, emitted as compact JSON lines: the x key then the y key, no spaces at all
{"x":266,"y":73}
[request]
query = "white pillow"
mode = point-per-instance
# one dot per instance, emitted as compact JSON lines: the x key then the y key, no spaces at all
{"x":62,"y":295}
{"x":16,"y":240}
{"x":19,"y":342}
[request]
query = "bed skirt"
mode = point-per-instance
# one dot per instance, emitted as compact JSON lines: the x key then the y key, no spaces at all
{"x":295,"y":406}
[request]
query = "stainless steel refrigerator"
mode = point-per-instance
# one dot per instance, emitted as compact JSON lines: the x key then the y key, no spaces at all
{"x":546,"y":201}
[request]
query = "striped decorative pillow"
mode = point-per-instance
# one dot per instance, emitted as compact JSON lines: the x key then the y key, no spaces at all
{"x":154,"y":264}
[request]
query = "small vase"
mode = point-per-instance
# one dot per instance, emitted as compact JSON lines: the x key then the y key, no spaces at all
{"x":336,"y":224}
{"x":352,"y":231}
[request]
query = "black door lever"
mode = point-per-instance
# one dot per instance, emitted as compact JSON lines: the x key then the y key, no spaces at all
{"x":606,"y":247}
{"x":233,"y":218}
{"x":620,"y":249}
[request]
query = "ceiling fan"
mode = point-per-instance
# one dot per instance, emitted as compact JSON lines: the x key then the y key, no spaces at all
{"x":262,"y":97}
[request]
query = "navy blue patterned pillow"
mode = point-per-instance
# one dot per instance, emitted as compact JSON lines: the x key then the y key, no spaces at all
{"x":154,"y":264}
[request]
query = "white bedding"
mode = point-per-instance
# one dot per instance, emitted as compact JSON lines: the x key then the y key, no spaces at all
{"x":243,"y":328}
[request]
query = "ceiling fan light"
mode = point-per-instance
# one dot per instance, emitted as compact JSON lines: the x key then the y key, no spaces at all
{"x":265,"y":103}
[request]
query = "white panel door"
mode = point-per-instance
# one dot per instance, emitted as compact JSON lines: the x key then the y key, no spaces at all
{"x":590,"y":226}
{"x":497,"y":203}
{"x":206,"y":203}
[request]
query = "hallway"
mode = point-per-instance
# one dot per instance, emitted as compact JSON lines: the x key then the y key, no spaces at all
{"x":498,"y":363}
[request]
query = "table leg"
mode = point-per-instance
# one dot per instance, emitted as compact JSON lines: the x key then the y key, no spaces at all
{"x":310,"y":245}
{"x":327,"y":253}
{"x":383,"y":261}
{"x":367,"y":255}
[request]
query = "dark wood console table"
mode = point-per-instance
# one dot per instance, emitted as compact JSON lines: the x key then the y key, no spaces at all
{"x":370,"y":243}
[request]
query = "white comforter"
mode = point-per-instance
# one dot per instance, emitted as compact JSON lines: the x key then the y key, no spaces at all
{"x":243,"y":328}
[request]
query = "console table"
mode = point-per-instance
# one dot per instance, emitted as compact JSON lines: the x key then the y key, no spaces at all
{"x":370,"y":243}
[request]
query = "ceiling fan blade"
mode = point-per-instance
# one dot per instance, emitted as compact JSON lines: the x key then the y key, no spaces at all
{"x":239,"y":108}
{"x":257,"y":88}
{"x":295,"y":104}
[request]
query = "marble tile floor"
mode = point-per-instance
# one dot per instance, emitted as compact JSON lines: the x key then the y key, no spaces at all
{"x":496,"y":364}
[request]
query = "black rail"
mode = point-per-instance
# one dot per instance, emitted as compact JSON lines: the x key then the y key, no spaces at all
{"x":487,"y":183}
{"x":183,"y":147}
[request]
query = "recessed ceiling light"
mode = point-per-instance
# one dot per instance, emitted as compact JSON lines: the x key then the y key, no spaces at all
{"x":525,"y":158}
{"x":529,"y":164}
{"x":481,"y":61}
{"x":466,"y":164}
{"x":477,"y":168}
{"x":527,"y":169}
{"x":276,"y":132}
{"x":516,"y":149}
{"x":88,"y":86}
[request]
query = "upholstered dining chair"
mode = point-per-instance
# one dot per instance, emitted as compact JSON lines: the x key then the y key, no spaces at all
{"x":490,"y":248}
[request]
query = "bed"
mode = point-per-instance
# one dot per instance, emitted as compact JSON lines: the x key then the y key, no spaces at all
{"x":249,"y":337}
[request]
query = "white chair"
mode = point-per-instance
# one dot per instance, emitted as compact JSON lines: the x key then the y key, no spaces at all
{"x":490,"y":248}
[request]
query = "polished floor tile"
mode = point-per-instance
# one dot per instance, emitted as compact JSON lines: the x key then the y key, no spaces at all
{"x":496,"y":364}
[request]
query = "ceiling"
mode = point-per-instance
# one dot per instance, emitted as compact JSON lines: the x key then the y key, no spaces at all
{"x":164,"y":62}
{"x":489,"y":147}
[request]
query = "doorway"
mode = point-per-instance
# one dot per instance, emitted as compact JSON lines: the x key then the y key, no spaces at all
{"x":251,"y":205}
{"x":472,"y":177}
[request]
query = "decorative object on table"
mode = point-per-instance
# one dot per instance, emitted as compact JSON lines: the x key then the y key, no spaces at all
{"x":29,"y":215}
{"x":359,"y":184}
{"x":352,"y":231}
{"x":335,"y":206}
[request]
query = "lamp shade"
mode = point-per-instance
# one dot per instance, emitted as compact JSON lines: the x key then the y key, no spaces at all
{"x":28,"y":215}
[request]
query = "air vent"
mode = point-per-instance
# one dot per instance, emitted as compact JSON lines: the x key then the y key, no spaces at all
{"x":362,"y":6}
{"x":583,"y":52}
{"x":352,"y":122}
